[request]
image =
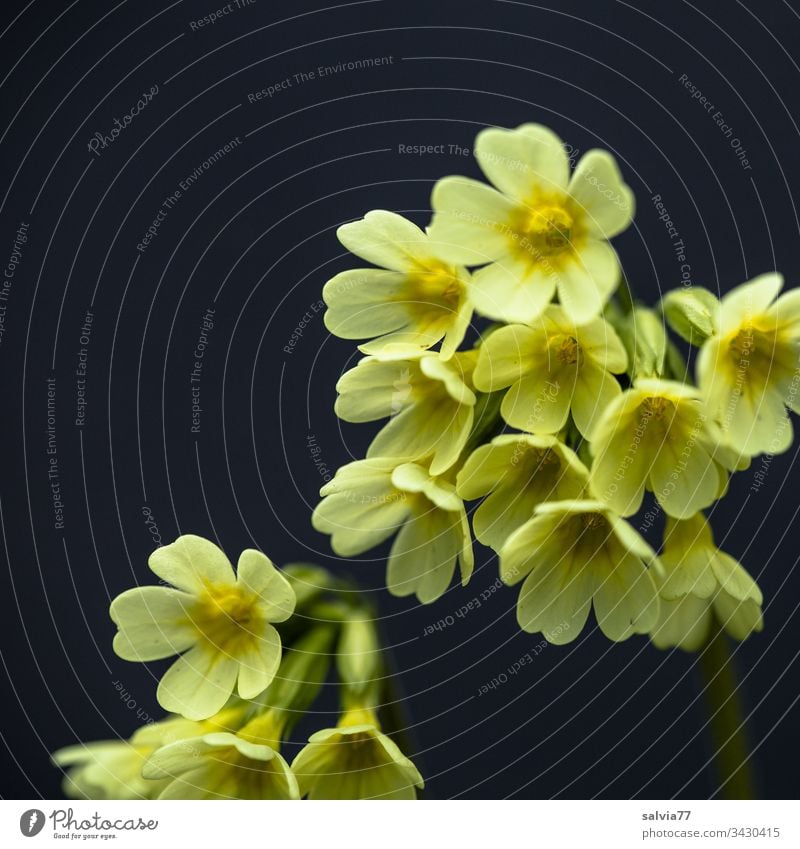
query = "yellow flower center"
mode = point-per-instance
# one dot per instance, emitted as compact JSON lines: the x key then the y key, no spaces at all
{"x":227,"y":615}
{"x":545,"y":457}
{"x":568,"y":351}
{"x":357,"y":716}
{"x":547,"y":229}
{"x":593,"y":521}
{"x":744,"y":341}
{"x":655,"y":407}
{"x":264,"y":730}
{"x":434,"y":292}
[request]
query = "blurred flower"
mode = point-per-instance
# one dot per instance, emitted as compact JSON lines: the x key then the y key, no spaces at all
{"x":748,"y":370}
{"x":225,"y":765}
{"x":517,"y":472}
{"x":112,"y":769}
{"x":430,"y":401}
{"x":541,"y":230}
{"x":220,"y":621}
{"x":700,"y":583}
{"x":552,"y":367}
{"x":573,"y":553}
{"x":415,"y":300}
{"x":369,"y":500}
{"x":355,"y":761}
{"x":657,"y":435}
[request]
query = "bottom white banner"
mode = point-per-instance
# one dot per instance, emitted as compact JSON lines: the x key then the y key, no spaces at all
{"x":616,"y":824}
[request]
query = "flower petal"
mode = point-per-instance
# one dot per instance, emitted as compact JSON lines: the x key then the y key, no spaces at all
{"x":362,"y":303}
{"x":423,"y":556}
{"x":191,"y":561}
{"x":524,"y":161}
{"x":199,"y":683}
{"x":385,"y":239}
{"x":625,"y":600}
{"x":734,"y":579}
{"x":683,"y":476}
{"x":685,"y":622}
{"x":506,"y":355}
{"x":152,"y":623}
{"x":471,"y":221}
{"x":538,"y":403}
{"x":513,"y":290}
{"x":587,"y":279}
{"x":598,"y":189}
{"x":257,"y":572}
{"x":742,"y":304}
{"x":738,"y":618}
{"x":259,"y":660}
{"x":594,"y":390}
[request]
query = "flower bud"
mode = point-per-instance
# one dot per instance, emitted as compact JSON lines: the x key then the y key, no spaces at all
{"x":691,"y":313}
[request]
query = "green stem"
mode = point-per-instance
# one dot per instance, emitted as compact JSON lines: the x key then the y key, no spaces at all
{"x":732,"y":755}
{"x":625,"y":294}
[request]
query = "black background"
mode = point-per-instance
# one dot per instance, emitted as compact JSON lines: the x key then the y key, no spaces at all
{"x":254,"y":238}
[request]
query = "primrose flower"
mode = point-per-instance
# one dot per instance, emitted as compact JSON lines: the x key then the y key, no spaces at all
{"x":219,"y":622}
{"x":657,"y":435}
{"x":369,"y":500}
{"x":701,"y":584}
{"x":106,"y":769}
{"x":573,"y":554}
{"x":552,"y":367}
{"x":355,"y":761}
{"x":430,"y":401}
{"x":748,"y":370}
{"x":517,"y":472}
{"x":542,"y":230}
{"x":415,"y":300}
{"x":225,"y":765}
{"x":112,"y":769}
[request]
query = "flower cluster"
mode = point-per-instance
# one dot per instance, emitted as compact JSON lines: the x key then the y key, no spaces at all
{"x":571,"y":405}
{"x":234,"y":694}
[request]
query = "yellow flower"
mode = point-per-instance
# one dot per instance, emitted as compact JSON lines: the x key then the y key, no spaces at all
{"x":748,"y":370}
{"x":702,"y":584}
{"x":225,"y":765}
{"x":552,"y":367}
{"x":430,"y":401}
{"x":542,"y":230}
{"x":112,"y":769}
{"x":517,"y":472}
{"x":573,"y":553}
{"x":657,"y":435}
{"x":369,"y":500}
{"x":220,"y":622}
{"x":415,"y":300}
{"x":355,"y":761}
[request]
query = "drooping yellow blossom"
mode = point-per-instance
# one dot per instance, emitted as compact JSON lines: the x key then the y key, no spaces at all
{"x":542,"y":231}
{"x":225,"y":765}
{"x":430,"y":401}
{"x":575,"y":553}
{"x":748,"y":370}
{"x":657,"y":435}
{"x":552,"y":367}
{"x":218,"y":621}
{"x":369,"y":500}
{"x":412,"y":302}
{"x":701,"y":585}
{"x":355,"y":761}
{"x":112,"y":769}
{"x":517,"y":472}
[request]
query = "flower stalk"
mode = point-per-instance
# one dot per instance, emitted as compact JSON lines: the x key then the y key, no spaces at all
{"x":727,"y":721}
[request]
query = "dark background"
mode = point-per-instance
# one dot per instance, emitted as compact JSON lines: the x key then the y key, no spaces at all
{"x":254,"y":239}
